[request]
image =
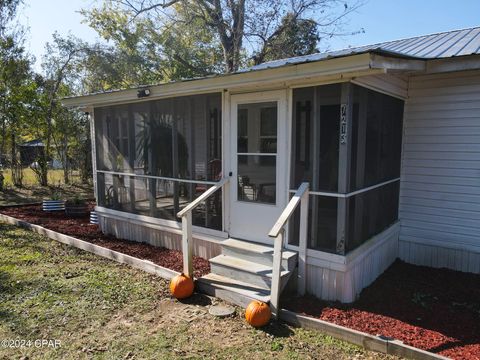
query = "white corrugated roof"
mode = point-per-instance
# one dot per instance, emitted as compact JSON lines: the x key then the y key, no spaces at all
{"x":434,"y":46}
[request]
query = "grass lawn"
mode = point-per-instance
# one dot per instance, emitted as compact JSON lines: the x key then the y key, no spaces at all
{"x":33,"y":192}
{"x":99,"y":309}
{"x":55,"y":177}
{"x":25,"y":195}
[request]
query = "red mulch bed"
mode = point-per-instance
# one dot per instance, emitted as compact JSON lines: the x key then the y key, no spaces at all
{"x":437,"y":310}
{"x":82,"y":229}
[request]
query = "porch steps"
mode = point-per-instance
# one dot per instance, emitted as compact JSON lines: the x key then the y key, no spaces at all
{"x":243,"y":272}
{"x":234,"y":291}
{"x":258,"y":253}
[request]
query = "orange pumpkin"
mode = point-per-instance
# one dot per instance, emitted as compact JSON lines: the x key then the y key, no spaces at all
{"x":181,"y":286}
{"x":258,"y":313}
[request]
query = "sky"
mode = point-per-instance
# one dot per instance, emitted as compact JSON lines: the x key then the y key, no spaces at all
{"x":382,"y":20}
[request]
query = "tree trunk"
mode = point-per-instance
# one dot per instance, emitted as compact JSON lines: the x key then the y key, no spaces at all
{"x":16,"y":168}
{"x":4,"y":136}
{"x":43,"y":168}
{"x":3,"y":150}
{"x":86,"y":168}
{"x":45,"y":155}
{"x":66,"y":178}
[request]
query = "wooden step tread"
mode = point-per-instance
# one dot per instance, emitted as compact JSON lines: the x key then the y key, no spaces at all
{"x":236,"y":286}
{"x":244,"y":265}
{"x":255,"y":247}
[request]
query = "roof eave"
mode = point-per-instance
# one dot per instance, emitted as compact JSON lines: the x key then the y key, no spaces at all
{"x":452,"y":64}
{"x":394,"y":62}
{"x":288,"y":73}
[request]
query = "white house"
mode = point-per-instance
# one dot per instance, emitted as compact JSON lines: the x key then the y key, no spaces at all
{"x":380,"y":143}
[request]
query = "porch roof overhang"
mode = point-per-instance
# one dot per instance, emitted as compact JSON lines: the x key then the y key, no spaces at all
{"x":291,"y":75}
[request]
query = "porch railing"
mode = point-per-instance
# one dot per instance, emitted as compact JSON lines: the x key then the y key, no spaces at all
{"x":278,"y":234}
{"x":186,"y":215}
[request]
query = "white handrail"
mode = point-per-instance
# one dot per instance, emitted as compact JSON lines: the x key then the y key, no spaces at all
{"x":186,"y":215}
{"x":277,"y":232}
{"x":288,"y":211}
{"x":202,"y":197}
{"x":350,"y":194}
{"x":154,"y":177}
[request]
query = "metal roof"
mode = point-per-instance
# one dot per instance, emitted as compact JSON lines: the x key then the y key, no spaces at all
{"x":447,"y":44}
{"x":434,"y":46}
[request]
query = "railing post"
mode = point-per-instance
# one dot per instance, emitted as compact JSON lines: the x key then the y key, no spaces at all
{"x":302,"y":244}
{"x":186,"y":215}
{"x":276,"y":274}
{"x":187,"y":244}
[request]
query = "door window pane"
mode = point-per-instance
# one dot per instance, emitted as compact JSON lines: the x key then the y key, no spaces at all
{"x":257,"y":128}
{"x":242,"y":131}
{"x":256,"y":179}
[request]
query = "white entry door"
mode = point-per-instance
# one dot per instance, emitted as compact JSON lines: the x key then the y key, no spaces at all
{"x":258,"y":187}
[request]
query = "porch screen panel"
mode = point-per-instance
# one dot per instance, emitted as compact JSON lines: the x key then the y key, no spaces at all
{"x":378,"y":210}
{"x":376,"y":138}
{"x":163,"y":154}
{"x":324,"y":226}
{"x":377,"y":124}
{"x":368,"y":203}
{"x":316,"y":130}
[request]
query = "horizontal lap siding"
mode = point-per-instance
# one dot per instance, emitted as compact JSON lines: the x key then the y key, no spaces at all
{"x":440,"y":188}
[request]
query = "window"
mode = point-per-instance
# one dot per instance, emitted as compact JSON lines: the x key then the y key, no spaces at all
{"x":171,"y":152}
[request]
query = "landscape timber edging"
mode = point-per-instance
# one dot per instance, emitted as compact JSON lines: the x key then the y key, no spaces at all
{"x":144,"y":265}
{"x":367,"y":341}
{"x":20,"y":205}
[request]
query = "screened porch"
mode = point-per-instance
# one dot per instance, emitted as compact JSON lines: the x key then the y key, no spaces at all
{"x":154,"y":157}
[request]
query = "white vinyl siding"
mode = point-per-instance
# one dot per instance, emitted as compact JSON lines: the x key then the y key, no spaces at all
{"x":440,"y":181}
